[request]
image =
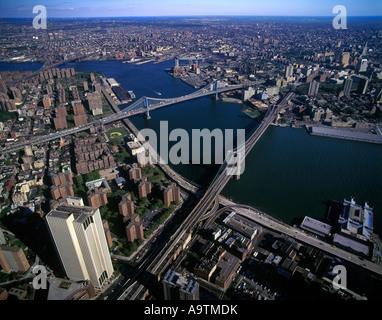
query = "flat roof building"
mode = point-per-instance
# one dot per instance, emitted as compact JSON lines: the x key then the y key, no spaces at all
{"x":13,"y":259}
{"x":79,"y":238}
{"x":179,"y":287}
{"x":61,"y":289}
{"x":351,"y":245}
{"x":356,"y":219}
{"x":112,"y":82}
{"x":316,"y":227}
{"x":243,"y":225}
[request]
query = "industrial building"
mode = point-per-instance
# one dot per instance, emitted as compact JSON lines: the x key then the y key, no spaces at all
{"x":356,"y":219}
{"x":316,"y":227}
{"x":121,"y":94}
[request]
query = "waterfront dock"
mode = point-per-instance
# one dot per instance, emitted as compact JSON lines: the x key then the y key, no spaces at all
{"x":344,"y":133}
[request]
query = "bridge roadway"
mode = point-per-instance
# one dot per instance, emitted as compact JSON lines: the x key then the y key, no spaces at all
{"x":164,"y":257}
{"x":216,"y":187}
{"x":135,"y":108}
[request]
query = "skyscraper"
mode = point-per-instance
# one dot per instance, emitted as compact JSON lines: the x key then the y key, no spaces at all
{"x":364,"y":51}
{"x":79,"y":238}
{"x":347,"y":86}
{"x":313,"y":88}
{"x":362,"y":65}
{"x":362,"y":85}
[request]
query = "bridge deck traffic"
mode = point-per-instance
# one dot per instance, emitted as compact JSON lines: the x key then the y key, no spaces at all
{"x":137,"y":107}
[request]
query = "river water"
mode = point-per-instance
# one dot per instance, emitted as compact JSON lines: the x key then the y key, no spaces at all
{"x":288,"y":174}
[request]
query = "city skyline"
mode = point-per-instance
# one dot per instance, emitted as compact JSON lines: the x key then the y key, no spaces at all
{"x":184,"y":157}
{"x":149,"y":8}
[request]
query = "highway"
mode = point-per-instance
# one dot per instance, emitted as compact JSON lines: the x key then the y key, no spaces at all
{"x":164,"y":257}
{"x":295,"y":233}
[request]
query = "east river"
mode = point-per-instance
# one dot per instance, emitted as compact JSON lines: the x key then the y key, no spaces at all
{"x":288,"y":174}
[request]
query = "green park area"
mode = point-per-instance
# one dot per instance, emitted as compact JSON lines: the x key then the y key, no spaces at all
{"x":252,"y":112}
{"x":116,"y":133}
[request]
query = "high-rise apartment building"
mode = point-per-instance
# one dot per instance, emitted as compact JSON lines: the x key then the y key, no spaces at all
{"x":135,"y":173}
{"x":62,"y":178}
{"x":126,"y":206}
{"x":134,"y":229}
{"x":97,"y":198}
{"x":107,"y":233}
{"x":80,"y":120}
{"x":171,"y":194}
{"x":95,"y":103}
{"x":62,"y":191}
{"x":79,"y":238}
{"x":60,"y":123}
{"x":289,"y":71}
{"x":144,"y":188}
{"x":313,"y":88}
{"x":144,"y":159}
{"x":61,"y":111}
{"x":46,"y":102}
{"x":347,"y":86}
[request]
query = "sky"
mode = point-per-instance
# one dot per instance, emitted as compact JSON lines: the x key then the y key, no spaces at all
{"x":140,"y":8}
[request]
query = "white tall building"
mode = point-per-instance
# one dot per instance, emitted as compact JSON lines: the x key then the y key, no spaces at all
{"x":362,"y":65}
{"x":78,"y":234}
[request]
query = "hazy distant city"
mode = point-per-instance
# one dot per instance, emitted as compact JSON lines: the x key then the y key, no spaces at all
{"x":89,"y":210}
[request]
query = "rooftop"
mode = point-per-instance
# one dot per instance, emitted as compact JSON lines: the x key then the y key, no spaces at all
{"x":316,"y":226}
{"x":65,"y":211}
{"x":351,"y":244}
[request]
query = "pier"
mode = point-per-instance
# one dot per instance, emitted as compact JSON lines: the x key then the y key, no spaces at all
{"x":346,"y":134}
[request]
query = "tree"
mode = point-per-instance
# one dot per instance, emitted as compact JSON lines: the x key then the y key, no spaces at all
{"x":91,"y":176}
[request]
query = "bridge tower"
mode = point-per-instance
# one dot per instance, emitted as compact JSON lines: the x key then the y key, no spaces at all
{"x":238,"y":165}
{"x":214,"y":88}
{"x":146,"y":101}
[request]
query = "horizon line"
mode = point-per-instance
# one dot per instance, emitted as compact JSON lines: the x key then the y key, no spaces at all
{"x":202,"y":15}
